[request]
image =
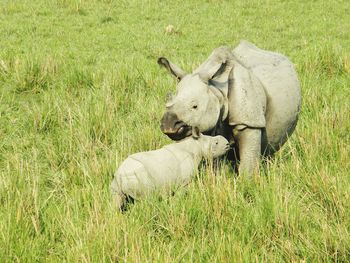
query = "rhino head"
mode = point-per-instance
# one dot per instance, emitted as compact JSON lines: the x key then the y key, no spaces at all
{"x":201,"y":96}
{"x":211,"y":146}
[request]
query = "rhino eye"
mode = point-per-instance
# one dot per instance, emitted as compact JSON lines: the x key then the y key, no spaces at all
{"x":194,"y":106}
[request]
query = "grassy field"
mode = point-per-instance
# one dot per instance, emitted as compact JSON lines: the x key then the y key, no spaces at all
{"x":81,"y":90}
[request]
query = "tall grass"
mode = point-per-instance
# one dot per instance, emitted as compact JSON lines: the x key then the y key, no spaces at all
{"x":81,"y":90}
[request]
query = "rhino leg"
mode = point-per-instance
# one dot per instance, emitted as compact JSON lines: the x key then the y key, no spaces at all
{"x":249,"y":145}
{"x":118,"y":198}
{"x":119,"y":201}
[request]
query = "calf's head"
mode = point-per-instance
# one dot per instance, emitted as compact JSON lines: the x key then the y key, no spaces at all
{"x":201,"y":96}
{"x":211,"y":146}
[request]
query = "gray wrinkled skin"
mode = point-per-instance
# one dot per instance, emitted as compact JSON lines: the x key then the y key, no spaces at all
{"x":254,"y":92}
{"x":172,"y":165}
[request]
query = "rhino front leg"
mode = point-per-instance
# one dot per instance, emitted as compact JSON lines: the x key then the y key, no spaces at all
{"x":249,"y":145}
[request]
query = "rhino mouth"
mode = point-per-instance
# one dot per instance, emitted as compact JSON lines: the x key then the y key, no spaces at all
{"x":181,"y":133}
{"x":173,"y":127}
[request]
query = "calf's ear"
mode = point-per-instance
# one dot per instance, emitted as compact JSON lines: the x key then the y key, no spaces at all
{"x":195,"y":133}
{"x":172,"y":68}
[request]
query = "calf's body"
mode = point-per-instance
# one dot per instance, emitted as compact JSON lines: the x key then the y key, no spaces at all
{"x":162,"y":169}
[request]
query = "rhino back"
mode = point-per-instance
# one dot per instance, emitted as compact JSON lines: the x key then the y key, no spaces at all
{"x":161,"y":169}
{"x":281,"y":85}
{"x":131,"y":179}
{"x":188,"y":161}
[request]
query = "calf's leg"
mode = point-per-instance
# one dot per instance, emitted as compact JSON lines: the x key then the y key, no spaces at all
{"x":118,"y":198}
{"x":119,"y":201}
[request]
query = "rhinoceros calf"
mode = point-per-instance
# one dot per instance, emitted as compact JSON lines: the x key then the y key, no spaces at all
{"x":172,"y":165}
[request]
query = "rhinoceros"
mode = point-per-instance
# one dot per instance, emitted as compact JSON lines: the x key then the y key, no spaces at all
{"x":172,"y":165}
{"x":247,"y":94}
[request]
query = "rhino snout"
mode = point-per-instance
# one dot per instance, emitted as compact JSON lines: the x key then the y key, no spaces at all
{"x":174,"y":128}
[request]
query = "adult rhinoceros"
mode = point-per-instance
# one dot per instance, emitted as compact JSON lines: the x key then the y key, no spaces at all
{"x":246,"y":94}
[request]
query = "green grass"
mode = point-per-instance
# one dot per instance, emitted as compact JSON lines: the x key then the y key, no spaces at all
{"x":81,"y":90}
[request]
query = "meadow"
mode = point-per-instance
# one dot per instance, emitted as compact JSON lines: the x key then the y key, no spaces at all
{"x":80,"y":90}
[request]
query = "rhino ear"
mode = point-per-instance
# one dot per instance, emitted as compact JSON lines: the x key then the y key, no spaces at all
{"x":195,"y":133}
{"x":216,"y":69}
{"x":172,"y":68}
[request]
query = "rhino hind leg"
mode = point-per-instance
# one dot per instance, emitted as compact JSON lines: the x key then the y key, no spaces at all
{"x":268,"y":148}
{"x":119,"y":201}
